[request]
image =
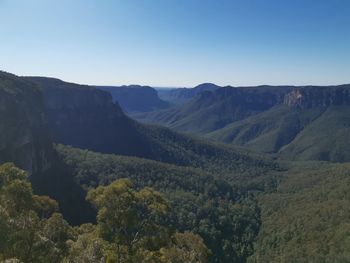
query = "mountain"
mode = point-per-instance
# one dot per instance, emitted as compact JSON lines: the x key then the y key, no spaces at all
{"x":87,"y":118}
{"x":298,"y":123}
{"x":24,"y":134}
{"x":212,"y":110}
{"x":135,"y":98}
{"x":180,"y":96}
{"x":311,"y":123}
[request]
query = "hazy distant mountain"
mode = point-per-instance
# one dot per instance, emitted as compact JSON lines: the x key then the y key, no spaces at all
{"x":135,"y":98}
{"x":179,"y":96}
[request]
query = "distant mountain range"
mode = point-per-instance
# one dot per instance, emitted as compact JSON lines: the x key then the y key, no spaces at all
{"x":303,"y":123}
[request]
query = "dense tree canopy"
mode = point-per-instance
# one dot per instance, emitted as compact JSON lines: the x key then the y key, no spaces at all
{"x":131,"y":227}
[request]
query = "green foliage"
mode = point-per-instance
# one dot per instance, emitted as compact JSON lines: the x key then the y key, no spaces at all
{"x":307,"y":218}
{"x":185,"y":247}
{"x":201,"y":202}
{"x":131,"y":227}
{"x":127,"y":217}
{"x":24,"y":235}
{"x":268,"y":131}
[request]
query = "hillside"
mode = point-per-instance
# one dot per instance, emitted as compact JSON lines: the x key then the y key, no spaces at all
{"x":311,"y":124}
{"x":87,"y":118}
{"x":212,"y":110}
{"x":298,"y":123}
{"x":268,"y":131}
{"x":135,"y":98}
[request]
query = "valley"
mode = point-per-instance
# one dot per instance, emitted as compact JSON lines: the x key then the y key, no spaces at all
{"x":255,"y":173}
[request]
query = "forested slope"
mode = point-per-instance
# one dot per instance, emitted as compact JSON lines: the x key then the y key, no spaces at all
{"x":307,"y":218}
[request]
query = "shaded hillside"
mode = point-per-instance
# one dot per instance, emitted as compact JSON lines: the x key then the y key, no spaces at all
{"x":135,"y":98}
{"x":86,"y":117}
{"x":179,"y":96}
{"x":24,"y":137}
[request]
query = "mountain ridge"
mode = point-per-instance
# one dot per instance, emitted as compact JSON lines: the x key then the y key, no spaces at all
{"x":264,"y":118}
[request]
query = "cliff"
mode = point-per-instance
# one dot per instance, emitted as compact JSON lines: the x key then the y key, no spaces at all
{"x":85,"y":117}
{"x":312,"y":96}
{"x":24,"y":136}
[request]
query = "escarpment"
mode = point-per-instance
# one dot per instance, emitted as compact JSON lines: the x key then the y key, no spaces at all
{"x":312,"y":96}
{"x":24,"y":135}
{"x":85,"y":117}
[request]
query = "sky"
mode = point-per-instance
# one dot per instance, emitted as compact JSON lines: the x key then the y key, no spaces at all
{"x":178,"y":43}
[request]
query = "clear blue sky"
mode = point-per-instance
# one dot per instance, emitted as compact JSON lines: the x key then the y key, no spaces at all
{"x":178,"y":42}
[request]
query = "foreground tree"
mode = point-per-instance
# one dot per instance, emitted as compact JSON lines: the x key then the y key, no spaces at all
{"x":131,"y":227}
{"x":132,"y":220}
{"x":25,"y":234}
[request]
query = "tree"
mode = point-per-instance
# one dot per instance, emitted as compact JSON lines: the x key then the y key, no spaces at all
{"x":185,"y":247}
{"x":25,"y":235}
{"x":130,"y":219}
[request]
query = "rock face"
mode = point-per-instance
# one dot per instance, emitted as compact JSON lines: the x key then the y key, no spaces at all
{"x":24,"y":136}
{"x":309,"y":97}
{"x":135,"y":98}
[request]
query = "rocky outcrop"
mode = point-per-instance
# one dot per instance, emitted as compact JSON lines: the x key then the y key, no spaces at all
{"x":312,"y":96}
